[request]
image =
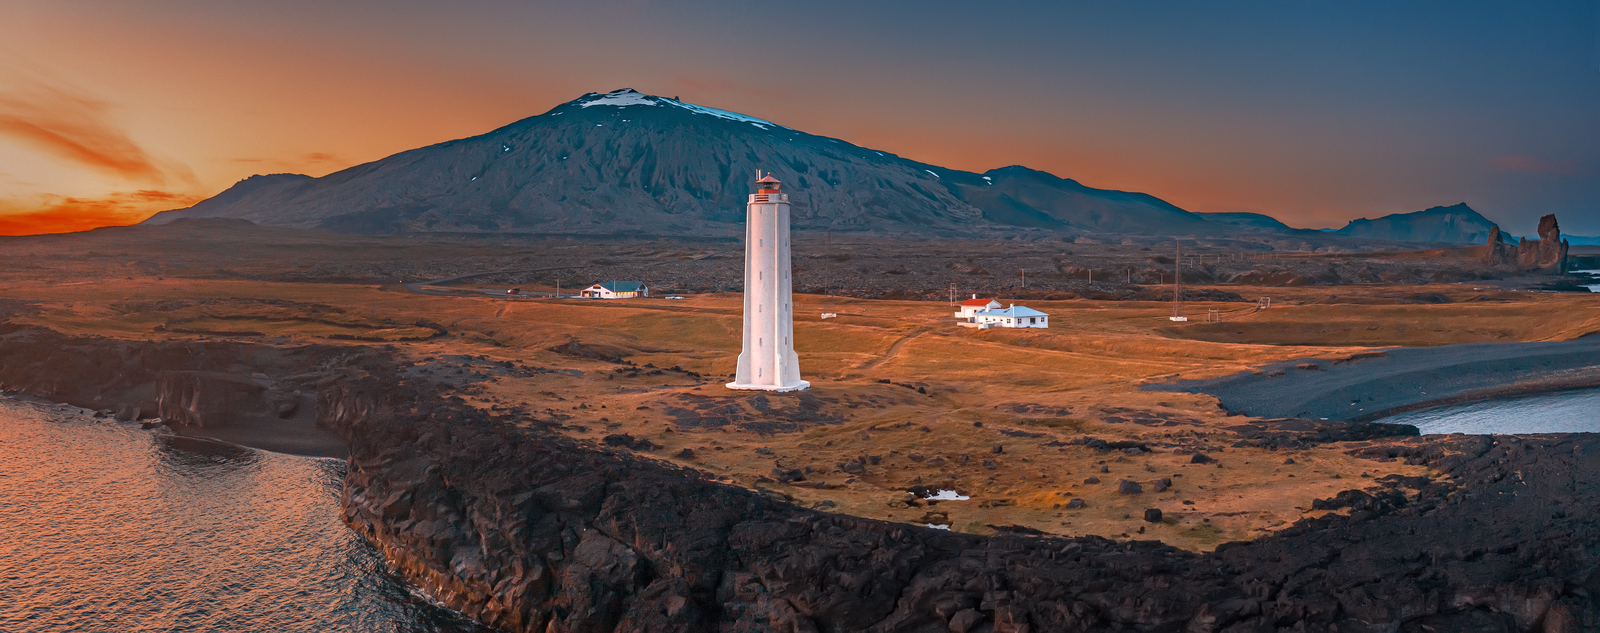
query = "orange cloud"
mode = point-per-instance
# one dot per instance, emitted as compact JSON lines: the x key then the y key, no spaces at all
{"x":1531,"y":164}
{"x":61,"y":214}
{"x":74,"y":127}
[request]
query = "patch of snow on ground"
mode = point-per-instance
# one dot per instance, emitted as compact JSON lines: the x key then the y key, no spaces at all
{"x":948,"y":495}
{"x":931,"y":172}
{"x":620,"y":100}
{"x":939,"y":527}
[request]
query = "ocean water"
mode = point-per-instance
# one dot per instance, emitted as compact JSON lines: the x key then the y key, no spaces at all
{"x":1592,"y":287}
{"x":106,"y":527}
{"x":1560,"y":412}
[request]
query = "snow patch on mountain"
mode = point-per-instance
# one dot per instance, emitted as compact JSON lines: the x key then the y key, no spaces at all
{"x":723,"y":114}
{"x":619,"y":99}
{"x":629,"y":97}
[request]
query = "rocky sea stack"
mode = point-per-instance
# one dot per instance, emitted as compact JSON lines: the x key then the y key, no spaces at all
{"x":1548,"y":254}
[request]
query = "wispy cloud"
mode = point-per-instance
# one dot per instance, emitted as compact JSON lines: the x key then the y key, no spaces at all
{"x":301,"y":162}
{"x":1531,"y":164}
{"x":61,"y":122}
{"x":65,"y":214}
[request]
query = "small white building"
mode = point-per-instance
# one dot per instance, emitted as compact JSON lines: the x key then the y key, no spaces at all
{"x":1014,"y":316}
{"x":616,"y":290}
{"x":973,"y":305}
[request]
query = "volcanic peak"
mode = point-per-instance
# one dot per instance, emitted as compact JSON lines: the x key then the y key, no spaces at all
{"x":629,"y":97}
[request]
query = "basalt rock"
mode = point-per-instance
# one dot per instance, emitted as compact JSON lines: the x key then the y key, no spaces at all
{"x":529,"y":531}
{"x":206,"y":398}
{"x":1497,"y":252}
{"x":532,"y":532}
{"x":1548,"y":254}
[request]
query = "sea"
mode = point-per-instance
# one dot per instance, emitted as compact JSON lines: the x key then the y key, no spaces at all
{"x":1576,"y":411}
{"x":107,"y":527}
{"x":1591,"y":287}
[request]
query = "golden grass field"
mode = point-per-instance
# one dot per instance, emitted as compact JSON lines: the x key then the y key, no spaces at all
{"x":1072,"y":381}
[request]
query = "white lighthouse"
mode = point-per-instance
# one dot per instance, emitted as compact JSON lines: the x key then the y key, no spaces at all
{"x":768,"y":361}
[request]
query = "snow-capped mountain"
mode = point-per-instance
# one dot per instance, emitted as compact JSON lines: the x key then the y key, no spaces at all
{"x":624,"y":162}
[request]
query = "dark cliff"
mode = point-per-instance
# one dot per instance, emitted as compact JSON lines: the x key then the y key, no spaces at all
{"x":528,"y":531}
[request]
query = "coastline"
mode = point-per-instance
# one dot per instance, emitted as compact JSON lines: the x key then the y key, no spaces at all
{"x":300,"y":437}
{"x":1372,"y":386}
{"x":527,"y":530}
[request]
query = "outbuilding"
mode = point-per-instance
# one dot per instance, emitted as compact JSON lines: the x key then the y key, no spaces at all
{"x":1014,"y":316}
{"x":616,"y":290}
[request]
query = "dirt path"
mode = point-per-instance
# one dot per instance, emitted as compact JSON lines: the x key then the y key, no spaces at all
{"x":893,"y":350}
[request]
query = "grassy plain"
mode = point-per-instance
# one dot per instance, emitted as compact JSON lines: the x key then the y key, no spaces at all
{"x":898,"y":386}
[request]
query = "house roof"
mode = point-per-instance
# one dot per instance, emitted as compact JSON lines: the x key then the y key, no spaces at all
{"x":622,"y":286}
{"x":977,"y":302}
{"x":1013,"y":311}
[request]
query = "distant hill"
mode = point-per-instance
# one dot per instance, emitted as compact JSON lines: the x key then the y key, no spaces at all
{"x":1455,"y":224}
{"x":1252,"y":220}
{"x":630,"y":163}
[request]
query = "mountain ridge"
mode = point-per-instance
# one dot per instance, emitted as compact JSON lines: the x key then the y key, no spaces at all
{"x":1456,"y":224}
{"x":625,"y":161}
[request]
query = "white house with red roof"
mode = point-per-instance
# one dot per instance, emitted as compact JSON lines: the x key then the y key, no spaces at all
{"x":1014,"y":316}
{"x":973,"y":305}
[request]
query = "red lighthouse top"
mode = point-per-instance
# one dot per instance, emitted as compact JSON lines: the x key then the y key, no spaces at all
{"x":768,"y":184}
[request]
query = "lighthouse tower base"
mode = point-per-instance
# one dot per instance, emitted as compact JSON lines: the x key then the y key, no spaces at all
{"x":797,"y":386}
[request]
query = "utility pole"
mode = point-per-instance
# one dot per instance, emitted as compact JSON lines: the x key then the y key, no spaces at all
{"x":952,"y":293}
{"x":1024,"y":278}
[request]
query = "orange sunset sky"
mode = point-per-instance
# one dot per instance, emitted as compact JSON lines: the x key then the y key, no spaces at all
{"x":1316,"y":113}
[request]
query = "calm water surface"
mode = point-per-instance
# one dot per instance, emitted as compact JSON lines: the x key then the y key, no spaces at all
{"x":105,"y":527}
{"x":1561,"y":412}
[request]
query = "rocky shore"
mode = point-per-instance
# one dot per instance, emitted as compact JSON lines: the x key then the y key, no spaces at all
{"x":1374,"y":385}
{"x":528,"y":531}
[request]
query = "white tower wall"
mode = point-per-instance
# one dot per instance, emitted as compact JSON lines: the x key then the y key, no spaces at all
{"x":768,"y":360}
